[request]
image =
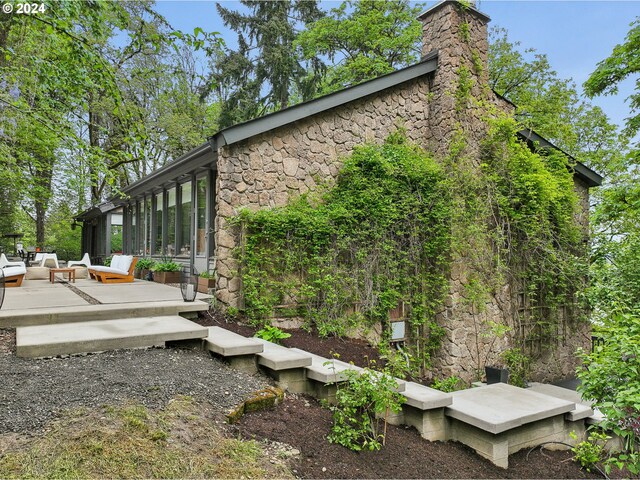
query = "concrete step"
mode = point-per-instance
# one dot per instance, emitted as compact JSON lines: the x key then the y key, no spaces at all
{"x":230,"y":344}
{"x":83,"y":313}
{"x":583,"y":407}
{"x":100,"y":335}
{"x":277,"y":357}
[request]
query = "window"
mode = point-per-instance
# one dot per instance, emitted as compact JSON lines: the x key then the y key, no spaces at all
{"x":158,"y":225}
{"x":171,"y":222}
{"x":185,"y":225}
{"x":201,"y":216}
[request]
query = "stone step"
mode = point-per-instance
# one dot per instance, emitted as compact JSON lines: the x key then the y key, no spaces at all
{"x":326,"y":370}
{"x":583,"y":407}
{"x":277,"y":357}
{"x":100,"y":335}
{"x":83,"y":313}
{"x":425,"y":398}
{"x":230,"y":344}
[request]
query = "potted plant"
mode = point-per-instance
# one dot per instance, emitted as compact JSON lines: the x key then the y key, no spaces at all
{"x":206,"y":280}
{"x":143,"y":267}
{"x":166,"y":272}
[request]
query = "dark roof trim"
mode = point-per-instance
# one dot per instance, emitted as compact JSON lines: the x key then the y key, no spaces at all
{"x":99,"y":209}
{"x":242,"y":131}
{"x":187,"y":163}
{"x":469,"y":8}
{"x":591,"y":178}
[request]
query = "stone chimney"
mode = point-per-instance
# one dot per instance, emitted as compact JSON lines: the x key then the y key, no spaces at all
{"x":458,"y":33}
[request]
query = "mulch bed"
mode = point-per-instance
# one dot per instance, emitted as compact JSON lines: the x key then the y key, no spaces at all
{"x":301,"y":422}
{"x":357,"y":351}
{"x":304,"y":424}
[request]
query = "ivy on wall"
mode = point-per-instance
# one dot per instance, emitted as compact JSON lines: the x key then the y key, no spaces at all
{"x":350,"y":254}
{"x":389,"y":229}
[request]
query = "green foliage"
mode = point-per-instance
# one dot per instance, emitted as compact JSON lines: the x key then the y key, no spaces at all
{"x":464,"y":32}
{"x":265,"y":70}
{"x":623,"y":62}
{"x":518,"y":364}
{"x":448,"y":384}
{"x":145,"y":264}
{"x":358,"y":401}
{"x":610,"y":376}
{"x":351,"y":254}
{"x":463,"y":91}
{"x":272,"y":334}
{"x":166,"y":267}
{"x":363,"y":39}
{"x":207,"y":275}
{"x":107,"y":261}
{"x":589,"y":453}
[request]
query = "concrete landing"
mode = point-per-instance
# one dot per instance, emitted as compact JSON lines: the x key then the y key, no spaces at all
{"x":500,"y":407}
{"x":70,"y":310}
{"x":95,"y":336}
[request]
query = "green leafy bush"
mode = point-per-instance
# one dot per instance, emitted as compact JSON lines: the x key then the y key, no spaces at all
{"x":272,"y":334}
{"x":589,"y":453}
{"x":449,"y":384}
{"x":610,"y":377}
{"x":360,"y":400}
{"x":207,"y":275}
{"x":166,"y":267}
{"x":518,"y":364}
{"x":145,"y":264}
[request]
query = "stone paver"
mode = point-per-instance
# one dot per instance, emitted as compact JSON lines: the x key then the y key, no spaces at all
{"x":230,"y":344}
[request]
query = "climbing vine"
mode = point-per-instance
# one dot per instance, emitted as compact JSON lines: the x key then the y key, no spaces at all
{"x":346,"y":257}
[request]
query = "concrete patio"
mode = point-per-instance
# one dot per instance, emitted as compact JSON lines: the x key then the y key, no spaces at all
{"x":88,"y":316}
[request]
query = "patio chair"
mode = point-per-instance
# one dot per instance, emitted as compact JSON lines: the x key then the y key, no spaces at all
{"x":13,"y":276}
{"x":120,"y":272}
{"x":4,"y":262}
{"x":48,"y":260}
{"x":92,"y":269}
{"x":86,"y":261}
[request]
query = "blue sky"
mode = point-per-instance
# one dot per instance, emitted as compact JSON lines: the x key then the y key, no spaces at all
{"x":575,"y":35}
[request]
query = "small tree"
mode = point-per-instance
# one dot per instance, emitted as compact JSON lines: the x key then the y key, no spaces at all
{"x":360,"y":400}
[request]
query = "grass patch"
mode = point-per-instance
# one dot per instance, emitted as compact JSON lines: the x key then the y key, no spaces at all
{"x":131,"y":441}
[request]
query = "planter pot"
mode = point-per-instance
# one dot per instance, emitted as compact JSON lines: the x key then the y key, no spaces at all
{"x":144,"y":274}
{"x":204,"y":284}
{"x":137,"y":273}
{"x":496,"y":375}
{"x":166,"y":277}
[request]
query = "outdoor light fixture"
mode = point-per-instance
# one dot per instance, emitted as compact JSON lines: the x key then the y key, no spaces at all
{"x":74,"y":225}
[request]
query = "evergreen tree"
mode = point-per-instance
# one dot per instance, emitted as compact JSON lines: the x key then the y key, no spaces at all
{"x":264,"y":72}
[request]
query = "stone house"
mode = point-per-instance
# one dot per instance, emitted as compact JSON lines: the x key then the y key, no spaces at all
{"x":182,"y":210}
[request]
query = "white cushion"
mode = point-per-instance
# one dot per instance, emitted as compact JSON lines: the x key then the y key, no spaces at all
{"x":125,"y":262}
{"x":115,"y":262}
{"x":11,"y":271}
{"x":38,"y":257}
{"x":100,"y":268}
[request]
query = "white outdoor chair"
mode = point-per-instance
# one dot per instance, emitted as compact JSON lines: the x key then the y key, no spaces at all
{"x":49,"y":260}
{"x":86,"y":261}
{"x":4,"y":262}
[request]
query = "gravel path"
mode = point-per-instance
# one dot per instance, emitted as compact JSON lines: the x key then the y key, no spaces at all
{"x":33,"y":391}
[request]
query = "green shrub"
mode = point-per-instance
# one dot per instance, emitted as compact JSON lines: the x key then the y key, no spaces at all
{"x":166,"y":267}
{"x":589,"y":453}
{"x":364,"y":395}
{"x":145,"y":264}
{"x":449,"y":384}
{"x":518,"y":364}
{"x":207,"y":275}
{"x":272,"y":334}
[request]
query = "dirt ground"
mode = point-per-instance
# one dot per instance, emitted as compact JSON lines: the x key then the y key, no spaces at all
{"x":304,"y":424}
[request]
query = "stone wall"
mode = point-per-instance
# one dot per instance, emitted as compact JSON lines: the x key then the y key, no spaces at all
{"x":268,"y":169}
